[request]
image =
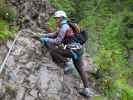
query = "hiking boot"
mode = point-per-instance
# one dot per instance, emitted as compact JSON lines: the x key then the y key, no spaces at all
{"x":68,"y":67}
{"x":86,"y":92}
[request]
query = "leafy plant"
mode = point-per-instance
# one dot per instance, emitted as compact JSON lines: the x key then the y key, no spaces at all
{"x":6,"y":30}
{"x":7,"y":16}
{"x":7,"y":13}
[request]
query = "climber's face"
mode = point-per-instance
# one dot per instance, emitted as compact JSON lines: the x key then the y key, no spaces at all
{"x":57,"y":20}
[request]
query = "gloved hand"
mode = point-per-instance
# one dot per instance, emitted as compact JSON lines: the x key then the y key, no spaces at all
{"x":44,"y":35}
{"x":44,"y":40}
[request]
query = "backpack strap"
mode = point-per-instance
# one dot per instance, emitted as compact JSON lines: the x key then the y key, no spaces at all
{"x":67,"y":34}
{"x":75,"y":27}
{"x":70,"y":30}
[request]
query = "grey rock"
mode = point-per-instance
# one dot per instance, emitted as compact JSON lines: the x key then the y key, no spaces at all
{"x":3,"y":51}
{"x":9,"y":43}
{"x":20,"y":93}
{"x":29,"y":97}
{"x":12,"y":76}
{"x":1,"y":83}
{"x":11,"y":61}
{"x":32,"y":12}
{"x":44,"y":79}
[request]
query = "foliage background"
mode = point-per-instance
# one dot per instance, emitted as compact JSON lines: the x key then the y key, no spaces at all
{"x":110,"y":29}
{"x":7,"y":17}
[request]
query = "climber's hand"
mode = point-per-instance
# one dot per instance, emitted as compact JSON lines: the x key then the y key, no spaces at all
{"x":44,"y":40}
{"x":44,"y":35}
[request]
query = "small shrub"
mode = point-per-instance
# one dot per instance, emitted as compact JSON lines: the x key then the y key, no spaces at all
{"x":7,"y":12}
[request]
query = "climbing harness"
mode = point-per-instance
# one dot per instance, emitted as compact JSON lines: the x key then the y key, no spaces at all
{"x":73,"y":46}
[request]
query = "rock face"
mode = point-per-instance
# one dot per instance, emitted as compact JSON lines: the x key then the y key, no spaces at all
{"x":30,"y":74}
{"x":32,"y":13}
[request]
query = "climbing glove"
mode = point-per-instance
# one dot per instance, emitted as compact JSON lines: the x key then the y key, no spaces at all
{"x":44,"y":35}
{"x":44,"y":40}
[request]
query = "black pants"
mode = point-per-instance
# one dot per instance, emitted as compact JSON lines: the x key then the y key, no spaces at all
{"x":59,"y":55}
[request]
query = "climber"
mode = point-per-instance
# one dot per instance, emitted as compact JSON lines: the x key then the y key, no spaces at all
{"x":62,"y":51}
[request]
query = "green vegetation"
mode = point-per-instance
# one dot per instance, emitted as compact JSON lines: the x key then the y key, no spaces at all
{"x":5,"y":30}
{"x":110,"y":43}
{"x":7,"y":17}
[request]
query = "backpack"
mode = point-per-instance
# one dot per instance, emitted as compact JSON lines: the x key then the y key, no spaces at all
{"x":80,"y":34}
